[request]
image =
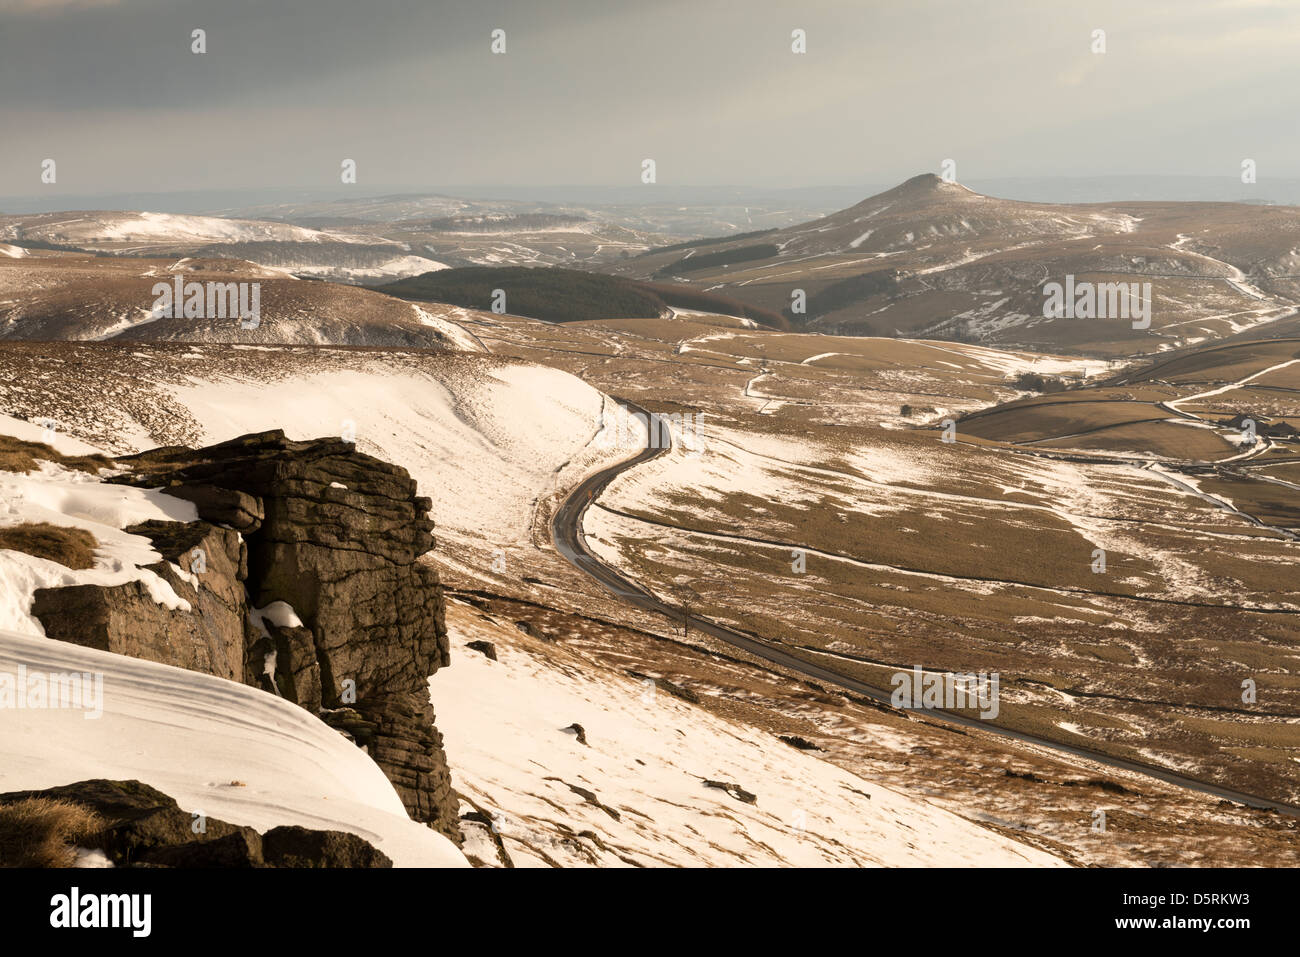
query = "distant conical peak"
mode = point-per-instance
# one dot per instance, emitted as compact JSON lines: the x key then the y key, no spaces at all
{"x":924,"y":181}
{"x":925,"y":188}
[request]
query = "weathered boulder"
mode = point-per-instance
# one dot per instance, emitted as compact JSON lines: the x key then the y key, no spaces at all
{"x":141,"y":821}
{"x":242,"y":848}
{"x":222,"y":506}
{"x":735,"y":790}
{"x":144,"y":826}
{"x":299,"y":847}
{"x":204,"y":565}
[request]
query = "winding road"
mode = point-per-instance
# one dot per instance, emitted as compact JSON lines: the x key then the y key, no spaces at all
{"x":566,"y":532}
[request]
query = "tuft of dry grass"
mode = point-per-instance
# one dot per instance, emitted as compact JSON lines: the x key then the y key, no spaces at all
{"x":43,"y":832}
{"x":71,"y":547}
{"x":17,"y":455}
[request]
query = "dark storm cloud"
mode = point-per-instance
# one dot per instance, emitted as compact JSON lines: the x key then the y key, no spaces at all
{"x":708,"y":88}
{"x":136,"y":53}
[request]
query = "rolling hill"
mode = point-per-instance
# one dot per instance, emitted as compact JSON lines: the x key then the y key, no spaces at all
{"x":567,"y":295}
{"x":71,"y":296}
{"x":332,"y":254}
{"x":933,"y":259}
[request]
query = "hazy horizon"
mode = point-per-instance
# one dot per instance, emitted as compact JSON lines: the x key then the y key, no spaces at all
{"x":1093,"y":189}
{"x":111,"y":90}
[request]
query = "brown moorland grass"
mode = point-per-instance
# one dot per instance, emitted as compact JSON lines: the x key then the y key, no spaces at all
{"x":42,"y":832}
{"x":944,"y":628}
{"x":1286,"y":471}
{"x":1220,"y":364}
{"x":17,"y":455}
{"x":1271,"y":504}
{"x":1043,"y":421}
{"x":1147,"y":437}
{"x":71,"y":547}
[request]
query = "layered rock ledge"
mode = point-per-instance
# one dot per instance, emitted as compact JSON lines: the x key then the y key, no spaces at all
{"x":303,"y":577}
{"x":137,"y":825}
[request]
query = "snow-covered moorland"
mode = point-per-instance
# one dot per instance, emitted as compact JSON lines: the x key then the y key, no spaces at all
{"x":634,"y":791}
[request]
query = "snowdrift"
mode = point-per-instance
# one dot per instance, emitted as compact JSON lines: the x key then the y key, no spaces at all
{"x":193,"y":736}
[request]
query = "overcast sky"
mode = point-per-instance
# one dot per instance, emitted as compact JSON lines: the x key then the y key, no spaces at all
{"x":589,"y":88}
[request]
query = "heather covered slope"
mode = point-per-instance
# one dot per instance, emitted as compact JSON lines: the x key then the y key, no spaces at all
{"x":567,"y":295}
{"x":323,"y":254}
{"x":68,"y":296}
{"x":934,"y":259}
